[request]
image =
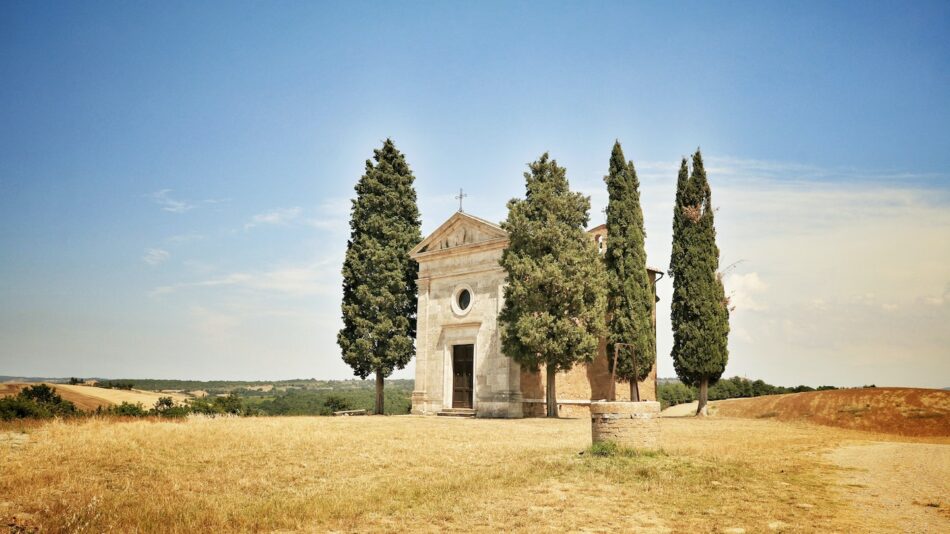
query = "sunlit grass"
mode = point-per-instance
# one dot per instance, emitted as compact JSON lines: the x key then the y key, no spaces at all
{"x":416,"y":474}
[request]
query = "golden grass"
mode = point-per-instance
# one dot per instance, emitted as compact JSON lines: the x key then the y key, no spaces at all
{"x":417,"y":474}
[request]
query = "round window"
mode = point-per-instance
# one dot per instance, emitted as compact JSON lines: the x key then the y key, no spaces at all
{"x":464,"y":299}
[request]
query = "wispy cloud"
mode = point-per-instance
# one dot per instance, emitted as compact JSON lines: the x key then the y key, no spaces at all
{"x":155,"y":256}
{"x":332,"y":214}
{"x":184,"y":238}
{"x":320,"y":278}
{"x":280,"y":216}
{"x":164,"y":199}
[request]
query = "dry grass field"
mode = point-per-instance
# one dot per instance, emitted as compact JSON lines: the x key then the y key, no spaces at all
{"x":409,"y":473}
{"x":91,"y":397}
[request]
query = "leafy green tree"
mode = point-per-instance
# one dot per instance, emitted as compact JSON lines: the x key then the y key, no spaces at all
{"x":630,"y":298}
{"x":336,"y":403}
{"x":164,"y":403}
{"x":699,"y":309}
{"x":555,"y":298}
{"x":379,"y":278}
{"x":41,"y":393}
{"x":231,"y":404}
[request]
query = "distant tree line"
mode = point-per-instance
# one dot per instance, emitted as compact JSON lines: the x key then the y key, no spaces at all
{"x":397,"y":401}
{"x":675,"y":392}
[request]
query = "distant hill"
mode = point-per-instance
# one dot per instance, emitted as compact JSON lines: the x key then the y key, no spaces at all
{"x":10,"y":378}
{"x":902,"y":411}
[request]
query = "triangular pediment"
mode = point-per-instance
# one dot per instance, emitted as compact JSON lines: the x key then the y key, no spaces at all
{"x":461,"y":230}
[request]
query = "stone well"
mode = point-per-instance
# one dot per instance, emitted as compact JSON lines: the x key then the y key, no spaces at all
{"x":634,"y":425}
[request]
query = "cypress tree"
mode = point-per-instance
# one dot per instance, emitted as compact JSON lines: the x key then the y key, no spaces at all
{"x":555,"y":298}
{"x":379,"y":278}
{"x":630,"y":298}
{"x":700,"y":312}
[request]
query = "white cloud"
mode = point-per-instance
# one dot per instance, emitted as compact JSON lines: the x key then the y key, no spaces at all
{"x":164,"y":199}
{"x":155,"y":256}
{"x":743,"y":290}
{"x":280,"y":216}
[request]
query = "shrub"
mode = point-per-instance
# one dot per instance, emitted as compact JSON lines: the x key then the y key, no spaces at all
{"x":335,"y":403}
{"x":127,"y":409}
{"x":202,"y":406}
{"x":175,"y":412}
{"x":17,"y":407}
{"x":41,"y":393}
{"x":38,"y":401}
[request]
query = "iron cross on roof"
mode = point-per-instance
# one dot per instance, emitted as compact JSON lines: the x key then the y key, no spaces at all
{"x":460,"y":196}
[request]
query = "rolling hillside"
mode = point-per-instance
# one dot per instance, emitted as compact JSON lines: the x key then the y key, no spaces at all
{"x":901,"y":411}
{"x":90,"y":397}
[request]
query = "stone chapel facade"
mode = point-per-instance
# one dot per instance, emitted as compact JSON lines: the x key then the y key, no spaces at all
{"x":459,"y":361}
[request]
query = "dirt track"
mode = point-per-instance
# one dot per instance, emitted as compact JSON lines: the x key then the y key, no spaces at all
{"x":903,"y":486}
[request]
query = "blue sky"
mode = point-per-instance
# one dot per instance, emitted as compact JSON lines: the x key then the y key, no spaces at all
{"x":175,"y":177}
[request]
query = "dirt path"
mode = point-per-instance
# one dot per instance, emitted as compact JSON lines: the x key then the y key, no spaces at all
{"x":680,"y":410}
{"x":903,"y":487}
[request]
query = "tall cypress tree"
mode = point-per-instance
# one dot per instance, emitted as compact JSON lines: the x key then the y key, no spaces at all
{"x":555,"y":298}
{"x":630,"y":298}
{"x":700,"y":312}
{"x":379,"y":278}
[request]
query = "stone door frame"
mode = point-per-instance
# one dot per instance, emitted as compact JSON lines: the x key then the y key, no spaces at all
{"x":459,"y":334}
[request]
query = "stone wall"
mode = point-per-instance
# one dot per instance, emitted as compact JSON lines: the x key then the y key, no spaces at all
{"x":585,"y":382}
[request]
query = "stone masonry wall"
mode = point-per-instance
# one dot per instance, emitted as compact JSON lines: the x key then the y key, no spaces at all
{"x":634,"y":425}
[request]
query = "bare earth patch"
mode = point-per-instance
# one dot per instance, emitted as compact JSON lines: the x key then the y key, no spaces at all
{"x":903,"y":487}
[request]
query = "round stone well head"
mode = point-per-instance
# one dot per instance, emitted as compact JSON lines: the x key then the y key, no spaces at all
{"x":631,"y":425}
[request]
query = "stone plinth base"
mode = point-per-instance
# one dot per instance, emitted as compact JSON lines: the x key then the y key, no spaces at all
{"x":634,"y":425}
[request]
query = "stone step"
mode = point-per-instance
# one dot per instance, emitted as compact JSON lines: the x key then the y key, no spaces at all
{"x":457,"y":412}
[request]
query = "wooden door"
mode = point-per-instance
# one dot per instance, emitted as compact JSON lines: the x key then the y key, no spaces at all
{"x":463,"y":357}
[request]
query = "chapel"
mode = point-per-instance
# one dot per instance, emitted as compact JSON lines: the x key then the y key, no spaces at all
{"x":460,"y":366}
